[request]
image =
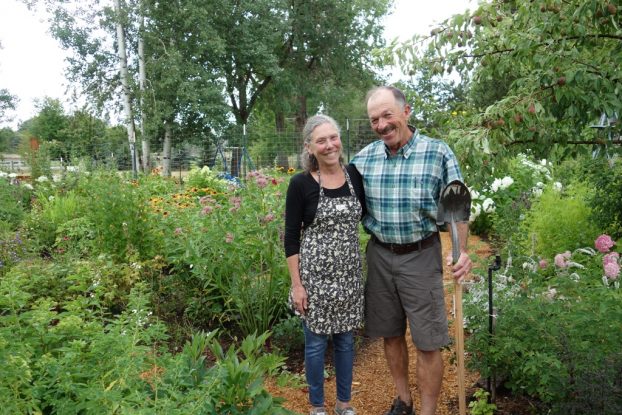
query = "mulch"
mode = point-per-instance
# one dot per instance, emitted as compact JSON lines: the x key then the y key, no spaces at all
{"x":372,"y":389}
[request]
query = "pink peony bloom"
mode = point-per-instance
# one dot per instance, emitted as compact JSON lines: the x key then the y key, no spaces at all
{"x":611,"y":257}
{"x":604,"y":243}
{"x":612,"y":270}
{"x":543,"y":264}
{"x":229,"y":237}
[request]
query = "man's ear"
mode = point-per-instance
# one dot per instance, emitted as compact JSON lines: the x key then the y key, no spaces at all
{"x":407,"y":110}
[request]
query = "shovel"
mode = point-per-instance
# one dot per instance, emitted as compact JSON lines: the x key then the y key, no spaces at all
{"x":454,"y":207}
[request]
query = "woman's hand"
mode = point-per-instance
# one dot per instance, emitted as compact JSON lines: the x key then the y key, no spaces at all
{"x":299,"y":299}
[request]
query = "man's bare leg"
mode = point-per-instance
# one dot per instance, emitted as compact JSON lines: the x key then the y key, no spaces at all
{"x":396,"y":353}
{"x":429,"y":379}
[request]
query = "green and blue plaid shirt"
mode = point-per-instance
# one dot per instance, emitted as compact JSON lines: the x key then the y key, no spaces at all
{"x":402,"y":190}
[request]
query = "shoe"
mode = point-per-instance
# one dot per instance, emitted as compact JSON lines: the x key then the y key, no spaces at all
{"x":348,"y":410}
{"x":318,"y":411}
{"x":399,"y":407}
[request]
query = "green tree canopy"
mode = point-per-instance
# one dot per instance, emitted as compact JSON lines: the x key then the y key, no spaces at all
{"x":541,"y":72}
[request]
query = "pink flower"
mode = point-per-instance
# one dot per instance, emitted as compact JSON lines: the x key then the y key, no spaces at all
{"x":612,"y":270}
{"x":229,"y":237}
{"x":207,"y":210}
{"x":261,"y":182}
{"x":178,"y":231}
{"x":611,"y":257}
{"x":560,"y":259}
{"x":604,"y":243}
{"x":268,"y":218}
{"x":543,"y":263}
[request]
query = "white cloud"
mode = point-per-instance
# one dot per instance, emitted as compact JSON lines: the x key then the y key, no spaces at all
{"x":31,"y":61}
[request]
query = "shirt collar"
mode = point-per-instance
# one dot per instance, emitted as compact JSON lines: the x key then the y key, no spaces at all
{"x":408,"y":148}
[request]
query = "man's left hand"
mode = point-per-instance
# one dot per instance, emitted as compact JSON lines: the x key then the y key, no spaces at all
{"x":461,"y":268}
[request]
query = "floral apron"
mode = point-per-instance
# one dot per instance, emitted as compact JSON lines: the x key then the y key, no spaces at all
{"x":330,"y":264}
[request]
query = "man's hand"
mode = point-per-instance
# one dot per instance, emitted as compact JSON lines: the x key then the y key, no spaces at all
{"x":461,"y":268}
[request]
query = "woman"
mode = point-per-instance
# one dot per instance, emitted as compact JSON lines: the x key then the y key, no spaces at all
{"x":322,"y":211}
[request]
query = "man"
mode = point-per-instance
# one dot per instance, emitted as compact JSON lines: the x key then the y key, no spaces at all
{"x":403,"y":175}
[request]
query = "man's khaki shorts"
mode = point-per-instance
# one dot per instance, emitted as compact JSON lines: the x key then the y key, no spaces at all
{"x":406,"y":287}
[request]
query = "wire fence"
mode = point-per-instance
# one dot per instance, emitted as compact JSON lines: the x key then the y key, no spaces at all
{"x":234,"y":154}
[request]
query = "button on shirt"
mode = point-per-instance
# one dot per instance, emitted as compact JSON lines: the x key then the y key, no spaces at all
{"x":402,"y":190}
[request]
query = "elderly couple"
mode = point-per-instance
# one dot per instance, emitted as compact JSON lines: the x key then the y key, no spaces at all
{"x":393,"y":185}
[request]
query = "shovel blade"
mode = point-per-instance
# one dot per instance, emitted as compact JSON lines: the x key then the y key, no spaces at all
{"x":454,"y":204}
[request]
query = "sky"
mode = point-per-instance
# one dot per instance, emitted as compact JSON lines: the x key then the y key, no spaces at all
{"x":32,"y":62}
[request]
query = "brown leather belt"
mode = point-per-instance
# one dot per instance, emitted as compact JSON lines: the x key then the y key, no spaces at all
{"x":401,"y":249}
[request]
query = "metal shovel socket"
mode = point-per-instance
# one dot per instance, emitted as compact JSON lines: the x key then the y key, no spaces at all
{"x":454,"y":206}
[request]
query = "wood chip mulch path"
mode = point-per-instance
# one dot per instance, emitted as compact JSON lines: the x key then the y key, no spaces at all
{"x":372,"y":390}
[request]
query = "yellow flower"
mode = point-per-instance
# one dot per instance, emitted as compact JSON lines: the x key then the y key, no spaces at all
{"x":291,"y":170}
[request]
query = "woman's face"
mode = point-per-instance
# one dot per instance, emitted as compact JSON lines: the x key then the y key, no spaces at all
{"x":325,"y":144}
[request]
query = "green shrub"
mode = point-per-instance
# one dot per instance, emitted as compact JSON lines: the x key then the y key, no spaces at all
{"x":288,"y":335}
{"x":559,"y":221}
{"x":64,"y":354}
{"x":557,"y":332}
{"x":48,"y":214}
{"x":14,"y":203}
{"x":605,"y":177}
{"x":118,"y":209}
{"x":227,"y":255}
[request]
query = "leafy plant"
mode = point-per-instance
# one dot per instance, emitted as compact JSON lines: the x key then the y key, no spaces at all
{"x":547,"y":317}
{"x":480,"y":405}
{"x":558,"y":221}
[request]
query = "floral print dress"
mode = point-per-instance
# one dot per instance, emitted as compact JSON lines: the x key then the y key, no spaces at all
{"x":330,"y":264}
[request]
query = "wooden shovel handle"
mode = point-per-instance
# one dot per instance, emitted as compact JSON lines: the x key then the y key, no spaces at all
{"x":459,"y":324}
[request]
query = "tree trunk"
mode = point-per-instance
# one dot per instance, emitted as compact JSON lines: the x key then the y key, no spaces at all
{"x":279,"y":120}
{"x":166,"y":150}
{"x":123,"y":72}
{"x":301,"y":113}
{"x":142,"y":80}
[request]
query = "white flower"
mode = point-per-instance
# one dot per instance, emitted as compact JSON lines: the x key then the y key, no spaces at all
{"x":476,"y":209}
{"x":474,"y":194}
{"x":488,"y":205}
{"x":72,"y":168}
{"x":543,"y":162}
{"x":540,"y":185}
{"x":537,"y":192}
{"x":550,"y":294}
{"x":50,"y":198}
{"x":557,"y":186}
{"x":506,"y":182}
{"x":496,"y":185}
{"x":57,"y":177}
{"x":3,"y":174}
{"x":42,"y":179}
{"x":28,"y":186}
{"x":12,"y":175}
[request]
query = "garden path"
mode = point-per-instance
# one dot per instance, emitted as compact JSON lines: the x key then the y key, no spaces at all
{"x":373,"y":388}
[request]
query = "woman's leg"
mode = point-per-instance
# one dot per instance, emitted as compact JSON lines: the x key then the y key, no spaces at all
{"x":315,"y":349}
{"x":343,"y":347}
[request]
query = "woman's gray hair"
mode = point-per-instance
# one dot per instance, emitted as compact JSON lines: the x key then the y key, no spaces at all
{"x":308,"y":161}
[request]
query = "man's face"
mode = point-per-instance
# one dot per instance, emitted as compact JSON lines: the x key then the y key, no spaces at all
{"x":388,"y":119}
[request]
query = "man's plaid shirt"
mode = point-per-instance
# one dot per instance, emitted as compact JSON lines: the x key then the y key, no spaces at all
{"x":402,"y":190}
